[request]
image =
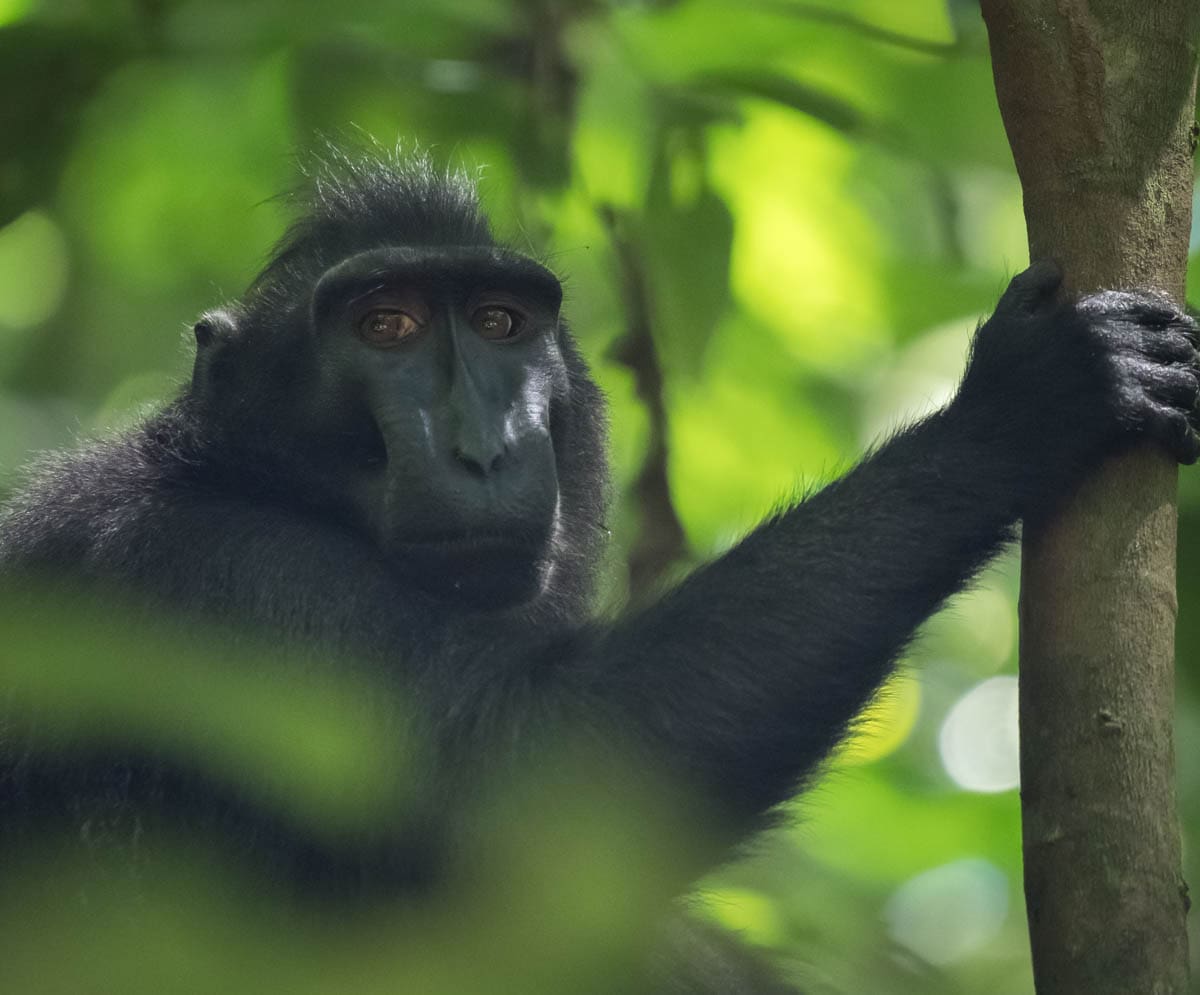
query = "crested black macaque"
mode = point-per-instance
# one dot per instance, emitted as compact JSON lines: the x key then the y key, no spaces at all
{"x":392,"y":450}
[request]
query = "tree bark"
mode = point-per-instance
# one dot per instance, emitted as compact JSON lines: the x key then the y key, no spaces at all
{"x":1098,"y":99}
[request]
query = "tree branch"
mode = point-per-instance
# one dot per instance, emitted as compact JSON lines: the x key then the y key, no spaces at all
{"x":661,"y":541}
{"x":1098,"y":98}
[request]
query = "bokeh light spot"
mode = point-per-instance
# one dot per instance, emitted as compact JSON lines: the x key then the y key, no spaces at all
{"x":950,"y":912}
{"x":33,"y":271}
{"x":978,"y":741}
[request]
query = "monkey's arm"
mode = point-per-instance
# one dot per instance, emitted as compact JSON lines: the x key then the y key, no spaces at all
{"x":745,"y":676}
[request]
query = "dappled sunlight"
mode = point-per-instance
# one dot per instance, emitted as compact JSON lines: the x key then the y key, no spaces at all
{"x":978,"y":740}
{"x":950,"y":912}
{"x":804,"y":250}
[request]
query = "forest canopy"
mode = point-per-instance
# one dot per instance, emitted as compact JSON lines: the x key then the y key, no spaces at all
{"x":777,"y":223}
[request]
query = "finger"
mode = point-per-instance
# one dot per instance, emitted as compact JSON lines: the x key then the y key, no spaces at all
{"x":1134,"y":332}
{"x":1143,"y":307}
{"x":1173,"y":429}
{"x":1188,"y":328}
{"x":1173,"y":385}
{"x":1170,"y":346}
{"x":1034,"y":287}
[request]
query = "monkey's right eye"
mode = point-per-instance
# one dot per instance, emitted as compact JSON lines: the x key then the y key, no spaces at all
{"x":387,"y":328}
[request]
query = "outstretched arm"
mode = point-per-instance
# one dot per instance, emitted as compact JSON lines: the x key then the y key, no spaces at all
{"x":745,"y":676}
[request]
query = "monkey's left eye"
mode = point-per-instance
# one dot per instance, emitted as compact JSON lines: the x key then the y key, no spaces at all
{"x":497,"y":322}
{"x":387,"y":328}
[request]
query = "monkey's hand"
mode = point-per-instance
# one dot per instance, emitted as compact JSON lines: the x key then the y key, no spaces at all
{"x":1055,"y":384}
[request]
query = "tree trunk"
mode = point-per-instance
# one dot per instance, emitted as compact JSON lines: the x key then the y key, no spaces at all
{"x":1098,"y":98}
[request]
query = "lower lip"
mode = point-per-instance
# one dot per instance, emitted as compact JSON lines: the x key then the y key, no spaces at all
{"x":490,"y":570}
{"x":468,"y":545}
{"x":469,"y":539}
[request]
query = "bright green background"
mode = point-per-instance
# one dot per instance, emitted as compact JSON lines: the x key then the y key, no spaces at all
{"x":823,"y":201}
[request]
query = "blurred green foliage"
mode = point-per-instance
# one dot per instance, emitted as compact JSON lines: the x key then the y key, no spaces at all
{"x":821,"y":203}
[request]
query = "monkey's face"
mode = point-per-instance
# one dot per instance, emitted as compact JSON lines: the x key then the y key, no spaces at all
{"x":419,"y":392}
{"x":440,"y":370}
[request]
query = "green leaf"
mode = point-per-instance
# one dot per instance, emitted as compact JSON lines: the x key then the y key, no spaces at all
{"x":613,"y":140}
{"x":687,"y":233}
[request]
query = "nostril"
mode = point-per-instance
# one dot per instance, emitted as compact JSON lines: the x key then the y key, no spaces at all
{"x":369,"y":446}
{"x":463,"y":457}
{"x":478,"y":464}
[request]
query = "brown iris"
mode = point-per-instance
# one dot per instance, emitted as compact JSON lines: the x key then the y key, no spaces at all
{"x":388,"y":327}
{"x":496,"y":322}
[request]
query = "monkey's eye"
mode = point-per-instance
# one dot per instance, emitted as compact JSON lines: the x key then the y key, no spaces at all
{"x":387,"y":328}
{"x":497,"y":322}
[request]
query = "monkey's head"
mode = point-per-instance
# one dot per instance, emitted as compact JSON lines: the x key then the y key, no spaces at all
{"x":393,"y":365}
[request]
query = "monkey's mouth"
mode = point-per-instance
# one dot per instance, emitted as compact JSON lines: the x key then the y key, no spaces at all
{"x":486,"y":570}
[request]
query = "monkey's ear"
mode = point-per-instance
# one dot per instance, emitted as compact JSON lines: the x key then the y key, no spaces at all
{"x":215,"y":331}
{"x":214,"y":326}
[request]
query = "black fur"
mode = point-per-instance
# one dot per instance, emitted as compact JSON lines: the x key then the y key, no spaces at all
{"x":229,"y":506}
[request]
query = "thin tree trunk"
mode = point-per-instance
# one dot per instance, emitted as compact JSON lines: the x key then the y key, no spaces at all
{"x":1098,"y":98}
